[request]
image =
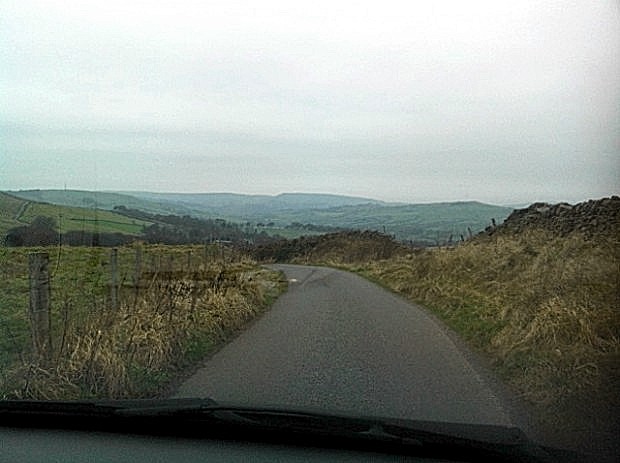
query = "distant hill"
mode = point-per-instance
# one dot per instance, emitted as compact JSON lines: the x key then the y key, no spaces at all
{"x":100,"y":200}
{"x":251,"y":207}
{"x":230,"y":206}
{"x":290,"y":213}
{"x":422,"y":223}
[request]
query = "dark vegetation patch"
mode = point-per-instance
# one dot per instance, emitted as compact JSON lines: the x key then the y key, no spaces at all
{"x":342,"y":247}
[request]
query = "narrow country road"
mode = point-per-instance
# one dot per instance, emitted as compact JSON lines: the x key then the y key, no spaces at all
{"x":338,"y":342}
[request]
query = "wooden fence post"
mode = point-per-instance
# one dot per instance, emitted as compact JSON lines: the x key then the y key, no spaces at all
{"x":114,"y":286}
{"x":40,"y":292}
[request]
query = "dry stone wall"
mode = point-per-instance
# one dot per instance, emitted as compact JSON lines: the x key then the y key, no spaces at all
{"x":594,"y":217}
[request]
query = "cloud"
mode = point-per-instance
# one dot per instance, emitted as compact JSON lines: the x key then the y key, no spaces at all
{"x":463,"y":98}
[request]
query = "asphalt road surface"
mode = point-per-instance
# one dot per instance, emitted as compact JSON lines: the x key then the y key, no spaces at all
{"x":338,"y":342}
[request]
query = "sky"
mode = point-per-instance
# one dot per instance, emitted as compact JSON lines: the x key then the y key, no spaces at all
{"x":500,"y":102}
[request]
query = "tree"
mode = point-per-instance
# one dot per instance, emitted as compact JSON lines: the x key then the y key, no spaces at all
{"x":42,"y":223}
{"x":41,"y":232}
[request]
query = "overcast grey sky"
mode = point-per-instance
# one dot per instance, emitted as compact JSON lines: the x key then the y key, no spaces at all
{"x":497,"y":101}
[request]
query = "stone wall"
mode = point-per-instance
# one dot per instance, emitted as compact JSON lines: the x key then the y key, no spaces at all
{"x":594,"y":217}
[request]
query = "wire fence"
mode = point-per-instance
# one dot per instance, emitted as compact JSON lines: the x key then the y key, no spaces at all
{"x":43,"y":291}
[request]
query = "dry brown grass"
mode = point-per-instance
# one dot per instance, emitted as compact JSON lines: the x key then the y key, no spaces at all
{"x":135,"y":350}
{"x":545,"y":308}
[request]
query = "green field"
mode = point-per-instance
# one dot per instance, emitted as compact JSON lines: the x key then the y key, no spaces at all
{"x":79,"y":218}
{"x":15,"y":212}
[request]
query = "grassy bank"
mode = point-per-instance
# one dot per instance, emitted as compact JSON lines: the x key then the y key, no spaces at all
{"x":544,"y":308}
{"x":181,"y":303}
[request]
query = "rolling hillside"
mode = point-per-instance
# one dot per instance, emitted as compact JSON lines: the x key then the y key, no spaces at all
{"x":253,"y":207}
{"x":10,"y":211}
{"x":224,"y":205}
{"x":422,"y":223}
{"x":425,"y":224}
{"x":101,"y":200}
{"x":16,"y":211}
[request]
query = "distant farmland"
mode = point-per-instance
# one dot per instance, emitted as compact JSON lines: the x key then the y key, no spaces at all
{"x":15,"y":212}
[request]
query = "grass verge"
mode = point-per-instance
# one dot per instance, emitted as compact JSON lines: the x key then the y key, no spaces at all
{"x":544,"y":308}
{"x":168,"y":320}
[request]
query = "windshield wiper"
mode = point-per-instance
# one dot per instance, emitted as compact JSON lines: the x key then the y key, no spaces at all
{"x":205,"y":418}
{"x":100,"y":408}
{"x":450,"y":440}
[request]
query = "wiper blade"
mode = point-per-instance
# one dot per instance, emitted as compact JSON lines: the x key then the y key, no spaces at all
{"x":420,"y":437}
{"x":307,"y":419}
{"x":100,"y":407}
{"x":14,"y":408}
{"x":205,"y":418}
